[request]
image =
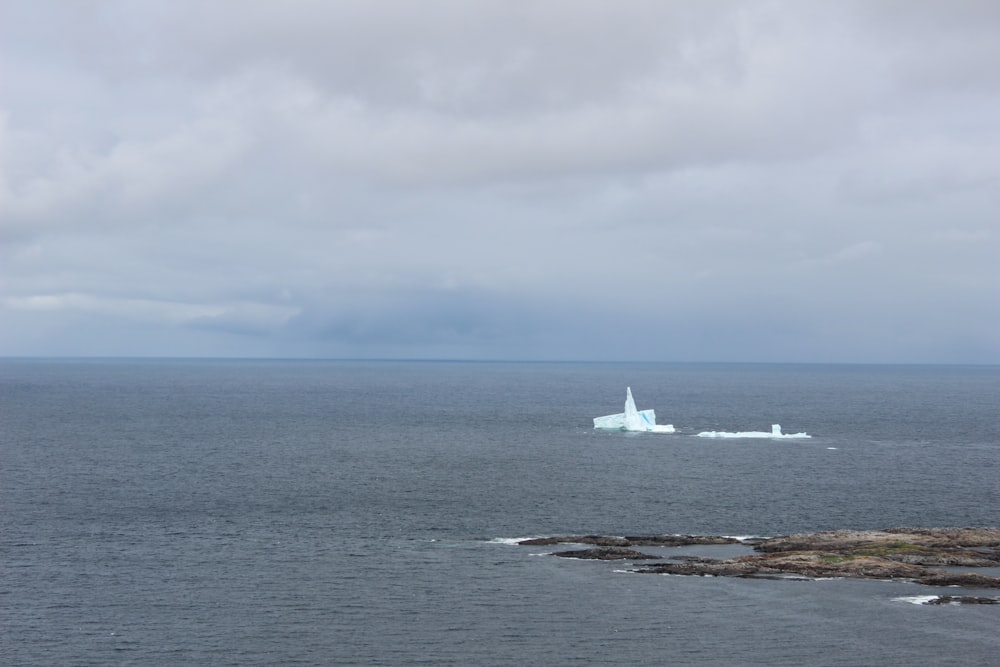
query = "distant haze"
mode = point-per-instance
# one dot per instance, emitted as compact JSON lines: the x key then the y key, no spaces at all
{"x":509,"y":179}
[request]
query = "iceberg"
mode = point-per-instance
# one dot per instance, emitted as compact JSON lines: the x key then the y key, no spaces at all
{"x":775,"y":432}
{"x":632,"y":419}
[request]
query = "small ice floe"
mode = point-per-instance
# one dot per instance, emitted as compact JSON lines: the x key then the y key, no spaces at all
{"x":774,"y":433}
{"x":643,"y":421}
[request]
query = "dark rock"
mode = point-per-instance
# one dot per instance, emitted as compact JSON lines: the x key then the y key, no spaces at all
{"x":962,"y":599}
{"x":606,"y":553}
{"x":678,"y":540}
{"x":968,"y":580}
{"x":631,"y":541}
{"x":706,"y":567}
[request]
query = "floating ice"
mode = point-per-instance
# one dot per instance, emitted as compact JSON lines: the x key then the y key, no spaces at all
{"x":632,"y":419}
{"x":774,"y":433}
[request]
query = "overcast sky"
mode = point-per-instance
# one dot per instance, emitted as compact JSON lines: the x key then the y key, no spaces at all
{"x":536,"y":179}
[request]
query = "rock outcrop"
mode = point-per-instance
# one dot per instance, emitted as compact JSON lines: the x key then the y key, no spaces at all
{"x":605,"y":553}
{"x":900,"y":553}
{"x":961,"y":599}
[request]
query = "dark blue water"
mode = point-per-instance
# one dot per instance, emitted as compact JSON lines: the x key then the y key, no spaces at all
{"x":280,"y":512}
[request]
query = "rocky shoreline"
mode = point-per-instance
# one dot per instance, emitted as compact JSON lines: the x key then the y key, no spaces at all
{"x":911,"y":554}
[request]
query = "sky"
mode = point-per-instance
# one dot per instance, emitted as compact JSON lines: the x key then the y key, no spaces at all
{"x":643,"y":180}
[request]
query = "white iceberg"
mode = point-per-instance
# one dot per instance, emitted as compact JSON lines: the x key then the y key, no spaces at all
{"x":775,"y":432}
{"x":632,"y":419}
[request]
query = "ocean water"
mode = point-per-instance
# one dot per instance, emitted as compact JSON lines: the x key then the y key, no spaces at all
{"x":168,"y":512}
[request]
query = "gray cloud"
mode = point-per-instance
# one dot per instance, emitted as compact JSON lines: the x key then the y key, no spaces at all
{"x":669,"y":180}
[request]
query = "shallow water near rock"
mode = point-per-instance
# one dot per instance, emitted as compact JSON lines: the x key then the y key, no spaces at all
{"x":303,"y":512}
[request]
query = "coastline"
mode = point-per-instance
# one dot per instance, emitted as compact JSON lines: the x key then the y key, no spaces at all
{"x":919,"y":555}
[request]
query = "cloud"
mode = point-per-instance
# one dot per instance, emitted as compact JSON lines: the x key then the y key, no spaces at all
{"x":248,"y":317}
{"x":502,"y":179}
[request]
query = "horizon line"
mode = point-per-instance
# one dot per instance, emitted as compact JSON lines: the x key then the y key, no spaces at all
{"x":477,"y":360}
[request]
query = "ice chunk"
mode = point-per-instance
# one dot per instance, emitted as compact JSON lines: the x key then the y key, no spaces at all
{"x":632,"y":419}
{"x":774,"y":433}
{"x":617,"y":422}
{"x":633,"y":422}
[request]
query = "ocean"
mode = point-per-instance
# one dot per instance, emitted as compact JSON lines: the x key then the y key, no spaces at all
{"x":256,"y":512}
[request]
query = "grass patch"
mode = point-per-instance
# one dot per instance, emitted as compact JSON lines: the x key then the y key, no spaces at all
{"x":831,"y":558}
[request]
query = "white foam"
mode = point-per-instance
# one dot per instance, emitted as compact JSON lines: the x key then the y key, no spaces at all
{"x":774,"y":433}
{"x":917,"y":599}
{"x":515,"y":541}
